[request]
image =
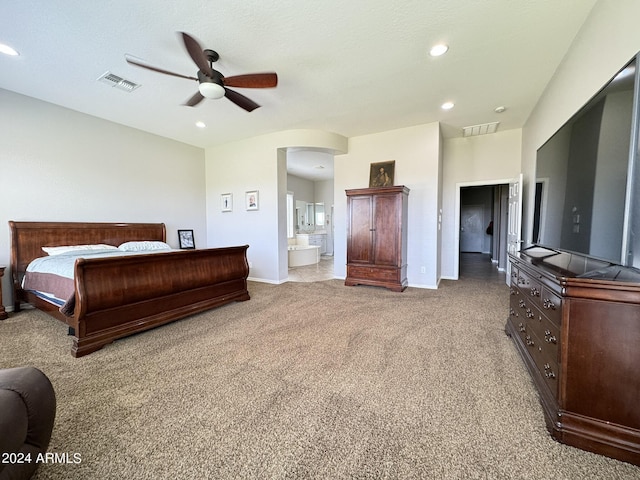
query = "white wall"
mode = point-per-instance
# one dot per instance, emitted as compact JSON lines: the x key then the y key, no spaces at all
{"x":302,"y":188}
{"x":416,"y":151}
{"x":258,"y":163}
{"x":61,"y":165}
{"x":609,"y":38}
{"x":484,"y":159}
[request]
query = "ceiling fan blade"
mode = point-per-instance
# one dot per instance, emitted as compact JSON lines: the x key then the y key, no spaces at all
{"x":240,"y":100}
{"x":196,"y":53}
{"x":159,"y":70}
{"x":252,"y":80}
{"x":195,"y":100}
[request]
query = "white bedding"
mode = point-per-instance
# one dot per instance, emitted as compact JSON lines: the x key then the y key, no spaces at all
{"x":62,"y":264}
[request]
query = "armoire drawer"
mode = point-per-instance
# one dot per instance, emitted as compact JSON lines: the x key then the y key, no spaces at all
{"x":378,"y":273}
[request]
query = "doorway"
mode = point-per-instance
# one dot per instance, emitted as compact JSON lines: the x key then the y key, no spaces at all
{"x":482,"y":223}
{"x":310,"y":183}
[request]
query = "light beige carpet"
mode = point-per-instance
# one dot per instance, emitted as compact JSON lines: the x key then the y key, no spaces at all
{"x":305,"y":380}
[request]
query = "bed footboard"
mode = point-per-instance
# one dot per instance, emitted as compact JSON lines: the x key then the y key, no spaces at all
{"x":117,"y":297}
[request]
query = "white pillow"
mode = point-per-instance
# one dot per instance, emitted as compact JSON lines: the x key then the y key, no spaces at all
{"x":73,"y":248}
{"x":145,"y":245}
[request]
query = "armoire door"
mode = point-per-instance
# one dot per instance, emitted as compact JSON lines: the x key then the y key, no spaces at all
{"x":360,"y":248}
{"x":386,"y":221}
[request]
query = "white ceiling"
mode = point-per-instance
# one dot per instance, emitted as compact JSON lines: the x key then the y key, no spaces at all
{"x":352,"y":68}
{"x":311,"y":164}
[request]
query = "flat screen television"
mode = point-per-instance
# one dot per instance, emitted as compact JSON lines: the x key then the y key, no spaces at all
{"x":585,"y":186}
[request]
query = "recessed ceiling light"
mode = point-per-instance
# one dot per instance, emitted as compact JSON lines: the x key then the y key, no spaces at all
{"x":447,"y":105}
{"x":201,"y":124}
{"x":438,"y":50}
{"x":7,"y":50}
{"x":500,"y":109}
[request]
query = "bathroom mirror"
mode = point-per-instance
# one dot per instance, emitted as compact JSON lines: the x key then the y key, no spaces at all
{"x":319,"y":218}
{"x":301,"y":211}
{"x":310,"y":216}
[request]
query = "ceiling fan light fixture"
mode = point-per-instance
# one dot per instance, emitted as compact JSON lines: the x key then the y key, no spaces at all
{"x":211,"y":90}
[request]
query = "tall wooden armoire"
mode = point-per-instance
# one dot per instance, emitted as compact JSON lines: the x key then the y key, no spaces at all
{"x":377,"y":237}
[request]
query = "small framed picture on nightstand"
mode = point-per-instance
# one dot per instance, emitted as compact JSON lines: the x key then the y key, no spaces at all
{"x":185,"y":237}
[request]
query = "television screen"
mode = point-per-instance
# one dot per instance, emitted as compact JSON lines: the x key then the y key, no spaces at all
{"x":581,"y":175}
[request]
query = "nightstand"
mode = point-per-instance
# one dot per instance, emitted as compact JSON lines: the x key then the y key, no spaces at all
{"x":3,"y":313}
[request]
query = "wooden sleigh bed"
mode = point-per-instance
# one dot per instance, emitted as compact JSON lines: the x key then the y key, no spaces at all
{"x":120,"y":296}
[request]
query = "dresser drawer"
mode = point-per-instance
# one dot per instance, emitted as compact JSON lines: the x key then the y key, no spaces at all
{"x":544,"y":357}
{"x":530,"y":319}
{"x":514,"y":275}
{"x":514,"y":297}
{"x":551,"y":305}
{"x":530,"y":286}
{"x":547,"y":332}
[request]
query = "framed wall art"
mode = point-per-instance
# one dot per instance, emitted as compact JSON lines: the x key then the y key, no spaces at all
{"x":226,"y":202}
{"x":381,"y":174}
{"x":251,"y":199}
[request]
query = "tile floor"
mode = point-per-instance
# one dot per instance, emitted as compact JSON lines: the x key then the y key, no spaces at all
{"x":479,"y":266}
{"x":322,"y":270}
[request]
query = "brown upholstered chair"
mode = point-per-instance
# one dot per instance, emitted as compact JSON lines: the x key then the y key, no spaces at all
{"x":27,"y":413}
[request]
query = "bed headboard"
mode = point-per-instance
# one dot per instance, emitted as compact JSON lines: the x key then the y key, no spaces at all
{"x":28,"y":238}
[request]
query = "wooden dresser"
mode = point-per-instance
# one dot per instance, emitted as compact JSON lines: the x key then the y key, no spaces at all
{"x":576,"y":324}
{"x":377,"y":237}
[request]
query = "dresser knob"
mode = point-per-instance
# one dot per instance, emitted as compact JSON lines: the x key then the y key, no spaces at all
{"x":548,"y":337}
{"x":548,"y":372}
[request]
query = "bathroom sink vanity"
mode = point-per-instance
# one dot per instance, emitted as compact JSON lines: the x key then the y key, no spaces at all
{"x":317,"y":239}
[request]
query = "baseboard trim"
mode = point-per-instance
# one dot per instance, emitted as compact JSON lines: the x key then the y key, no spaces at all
{"x":266,"y":280}
{"x":447,"y":277}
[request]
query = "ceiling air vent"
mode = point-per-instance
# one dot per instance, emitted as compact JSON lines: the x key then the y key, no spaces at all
{"x":482,"y":129}
{"x":118,"y":82}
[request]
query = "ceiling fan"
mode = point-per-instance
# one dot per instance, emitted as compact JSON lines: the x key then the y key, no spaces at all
{"x":211,"y":83}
